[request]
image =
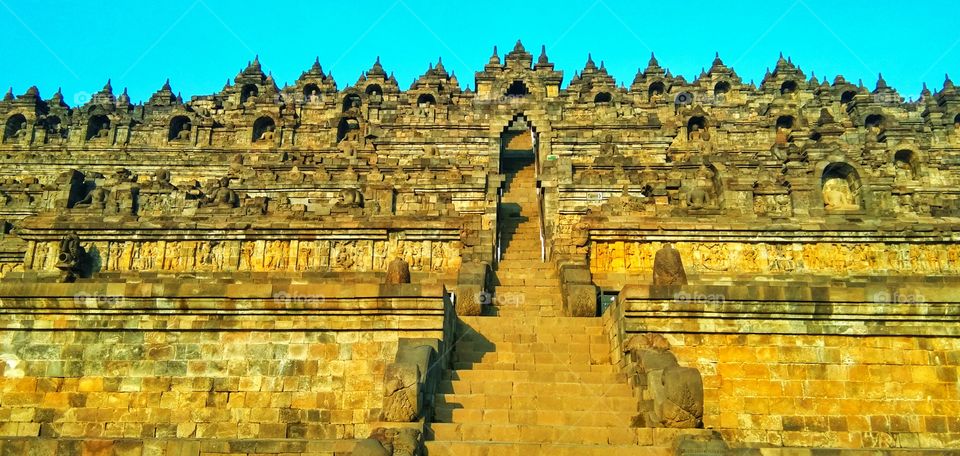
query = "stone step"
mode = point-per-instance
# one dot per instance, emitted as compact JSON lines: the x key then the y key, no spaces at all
{"x":537,"y":416}
{"x":475,"y":448}
{"x":511,"y":280}
{"x":572,"y":359}
{"x":528,"y":348}
{"x":518,"y":308}
{"x":591,"y":435}
{"x":535,"y":367}
{"x":582,"y":325}
{"x":509,"y":402}
{"x":518,"y":376}
{"x":495,"y":337}
{"x":550,"y":288}
{"x":520,"y":328}
{"x":541,"y":311}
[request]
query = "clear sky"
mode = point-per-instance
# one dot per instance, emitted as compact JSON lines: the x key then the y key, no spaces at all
{"x":198,"y":44}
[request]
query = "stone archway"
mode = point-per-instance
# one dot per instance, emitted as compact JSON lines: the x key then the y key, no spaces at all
{"x":518,"y":140}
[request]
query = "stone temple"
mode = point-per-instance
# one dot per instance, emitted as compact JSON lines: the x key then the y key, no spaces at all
{"x":532,"y":266}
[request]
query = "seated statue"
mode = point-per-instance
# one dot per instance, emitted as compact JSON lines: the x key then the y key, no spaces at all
{"x":313,"y":98}
{"x":184,"y":133}
{"x":837,"y":195}
{"x":695,"y":133}
{"x":19,"y":131}
{"x":783,"y":135}
{"x":54,"y":130}
{"x":903,"y":170}
{"x":267,"y":134}
{"x":97,"y":198}
{"x":104,"y":131}
{"x":221,"y":195}
{"x":698,"y":198}
{"x":349,"y":198}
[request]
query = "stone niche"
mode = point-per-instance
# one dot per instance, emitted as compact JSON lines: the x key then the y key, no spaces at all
{"x":841,"y":188}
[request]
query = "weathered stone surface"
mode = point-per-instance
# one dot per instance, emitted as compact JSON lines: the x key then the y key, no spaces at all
{"x":370,"y":447}
{"x":401,"y":401}
{"x":398,"y":271}
{"x":668,"y":267}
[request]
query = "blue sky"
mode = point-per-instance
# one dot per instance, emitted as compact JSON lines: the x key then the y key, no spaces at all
{"x":198,"y":44}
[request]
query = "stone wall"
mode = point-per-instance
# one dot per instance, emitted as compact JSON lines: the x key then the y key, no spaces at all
{"x":811,"y":366}
{"x":190,"y":359}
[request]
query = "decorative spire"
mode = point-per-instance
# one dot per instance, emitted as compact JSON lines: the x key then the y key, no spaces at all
{"x":652,"y":63}
{"x":107,"y":88}
{"x":716,"y":60}
{"x":377,"y":69}
{"x":495,"y":58}
{"x":881,"y":84}
{"x":924,"y":92}
{"x":947,"y":83}
{"x":518,"y":47}
{"x":590,"y":65}
{"x":542,"y":60}
{"x":9,"y":95}
{"x":57,"y":99}
{"x":166,"y":85}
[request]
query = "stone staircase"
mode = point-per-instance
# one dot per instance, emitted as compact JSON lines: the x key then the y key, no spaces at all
{"x":527,"y":380}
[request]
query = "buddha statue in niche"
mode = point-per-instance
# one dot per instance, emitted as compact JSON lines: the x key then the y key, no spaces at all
{"x":184,"y":133}
{"x":783,"y":134}
{"x":268,"y":134}
{"x":104,"y":131}
{"x":18,"y":131}
{"x":837,"y":195}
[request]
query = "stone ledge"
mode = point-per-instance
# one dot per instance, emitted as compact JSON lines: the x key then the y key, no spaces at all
{"x":189,"y":296}
{"x":657,"y":230}
{"x":924,"y":310}
{"x":175,"y":447}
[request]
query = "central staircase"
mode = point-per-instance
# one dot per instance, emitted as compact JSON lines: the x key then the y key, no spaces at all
{"x":527,"y":380}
